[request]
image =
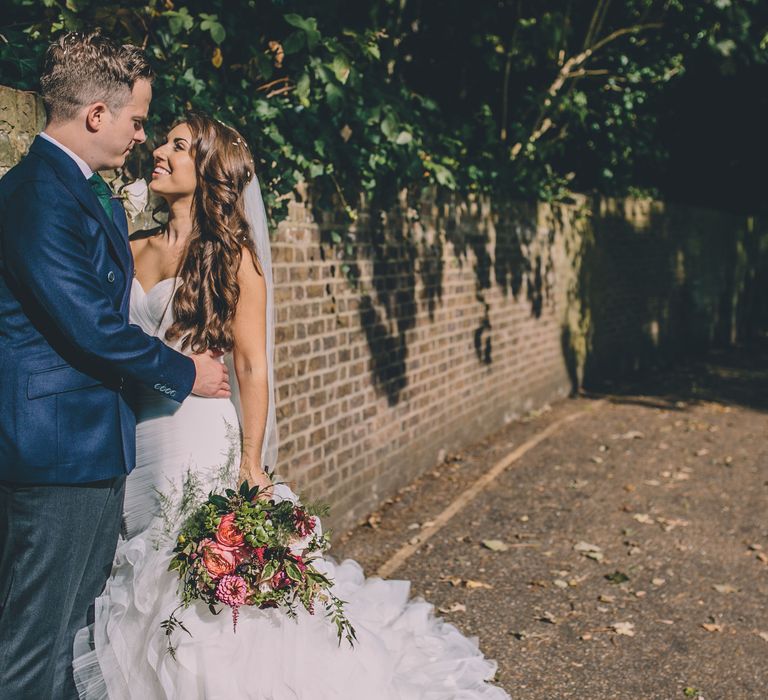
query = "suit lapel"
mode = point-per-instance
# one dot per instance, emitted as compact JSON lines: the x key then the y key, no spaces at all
{"x":75,"y":182}
{"x":118,"y":214}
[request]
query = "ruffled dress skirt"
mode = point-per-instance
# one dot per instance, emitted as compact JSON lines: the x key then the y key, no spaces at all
{"x":403,"y":651}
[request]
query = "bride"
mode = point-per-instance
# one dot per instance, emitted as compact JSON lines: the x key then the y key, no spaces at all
{"x":204,"y":281}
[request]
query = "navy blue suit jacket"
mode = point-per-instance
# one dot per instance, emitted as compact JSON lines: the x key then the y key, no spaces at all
{"x":67,"y":352}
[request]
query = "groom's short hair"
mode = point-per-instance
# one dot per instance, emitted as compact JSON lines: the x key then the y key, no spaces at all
{"x":80,"y":69}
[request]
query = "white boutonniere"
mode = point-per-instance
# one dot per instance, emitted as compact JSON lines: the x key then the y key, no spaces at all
{"x":135,"y":196}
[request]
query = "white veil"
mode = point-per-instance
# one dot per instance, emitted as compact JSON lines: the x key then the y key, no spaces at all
{"x":256,"y":217}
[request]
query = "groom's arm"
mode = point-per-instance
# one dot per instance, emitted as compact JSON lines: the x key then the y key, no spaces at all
{"x":46,"y":253}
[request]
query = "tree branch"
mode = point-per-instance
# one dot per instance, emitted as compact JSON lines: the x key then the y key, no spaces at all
{"x":568,"y":70}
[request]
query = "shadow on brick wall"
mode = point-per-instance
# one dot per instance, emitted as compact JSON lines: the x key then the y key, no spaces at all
{"x":660,"y":283}
{"x":403,"y":236}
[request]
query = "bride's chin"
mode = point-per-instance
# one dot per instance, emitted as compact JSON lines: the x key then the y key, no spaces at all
{"x":157,"y":188}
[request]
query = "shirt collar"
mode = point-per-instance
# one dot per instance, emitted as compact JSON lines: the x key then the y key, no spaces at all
{"x":84,"y":167}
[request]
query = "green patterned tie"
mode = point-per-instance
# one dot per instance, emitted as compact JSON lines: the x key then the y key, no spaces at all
{"x":102,"y":190}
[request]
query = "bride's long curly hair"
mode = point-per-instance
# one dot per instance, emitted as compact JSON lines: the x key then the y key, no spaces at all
{"x":204,"y":305}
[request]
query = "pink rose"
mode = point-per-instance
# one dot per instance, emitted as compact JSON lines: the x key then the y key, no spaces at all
{"x":228,"y":534}
{"x":219,"y":560}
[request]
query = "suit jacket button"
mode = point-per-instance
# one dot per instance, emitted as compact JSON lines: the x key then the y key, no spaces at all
{"x":110,"y":276}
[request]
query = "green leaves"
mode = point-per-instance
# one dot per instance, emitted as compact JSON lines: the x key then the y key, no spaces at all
{"x":180,"y":20}
{"x":292,"y":570}
{"x":308,"y":26}
{"x":383,"y":93}
{"x":341,"y":68}
{"x":211,"y":24}
{"x":302,"y":89}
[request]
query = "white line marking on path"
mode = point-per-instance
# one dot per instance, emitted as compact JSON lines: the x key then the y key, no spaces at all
{"x":405,"y":552}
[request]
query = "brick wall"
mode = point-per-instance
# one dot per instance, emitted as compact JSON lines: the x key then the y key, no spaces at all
{"x":21,"y":116}
{"x":478,"y":314}
{"x":463,"y":315}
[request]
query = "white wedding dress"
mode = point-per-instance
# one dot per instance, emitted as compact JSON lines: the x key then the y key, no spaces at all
{"x":403,"y":651}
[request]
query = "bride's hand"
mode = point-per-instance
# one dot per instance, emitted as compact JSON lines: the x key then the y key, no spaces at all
{"x":257,"y":477}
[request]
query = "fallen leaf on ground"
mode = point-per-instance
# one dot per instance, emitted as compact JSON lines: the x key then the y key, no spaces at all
{"x":453,"y":608}
{"x":725,"y":588}
{"x":586,"y":547}
{"x":495,"y":545}
{"x":591,"y":551}
{"x":606,"y":598}
{"x":712,"y":627}
{"x":455,"y":581}
{"x":630,"y":435}
{"x":617,"y":577}
{"x":547,"y":617}
{"x":658,"y":581}
{"x":625,"y":628}
{"x":472,"y":584}
{"x":373,"y":521}
{"x":671,"y":523}
{"x":763,"y":635}
{"x":762,"y":557}
{"x":644,"y":518}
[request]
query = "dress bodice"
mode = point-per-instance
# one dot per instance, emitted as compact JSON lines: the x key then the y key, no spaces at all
{"x":152,"y":311}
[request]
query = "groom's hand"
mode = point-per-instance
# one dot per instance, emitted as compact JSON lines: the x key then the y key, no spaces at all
{"x":212,"y":376}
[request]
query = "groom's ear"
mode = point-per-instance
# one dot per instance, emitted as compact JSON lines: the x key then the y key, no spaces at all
{"x":95,"y":116}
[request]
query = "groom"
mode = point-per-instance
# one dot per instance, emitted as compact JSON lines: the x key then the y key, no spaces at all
{"x":67,"y":355}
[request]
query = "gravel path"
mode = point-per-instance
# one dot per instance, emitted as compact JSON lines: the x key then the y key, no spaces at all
{"x":625,"y":556}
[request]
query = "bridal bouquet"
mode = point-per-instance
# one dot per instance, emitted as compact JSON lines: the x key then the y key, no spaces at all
{"x":238,"y":549}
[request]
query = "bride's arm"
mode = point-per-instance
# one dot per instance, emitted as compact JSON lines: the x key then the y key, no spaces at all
{"x":250,"y":360}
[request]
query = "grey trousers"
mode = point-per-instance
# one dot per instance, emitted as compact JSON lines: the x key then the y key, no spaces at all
{"x":56,"y":550}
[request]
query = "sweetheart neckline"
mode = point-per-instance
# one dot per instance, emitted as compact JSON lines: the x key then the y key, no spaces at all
{"x":154,"y":286}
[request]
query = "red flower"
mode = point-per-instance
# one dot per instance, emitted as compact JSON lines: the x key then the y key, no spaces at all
{"x":228,"y":533}
{"x":259,"y":552}
{"x":304,"y":522}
